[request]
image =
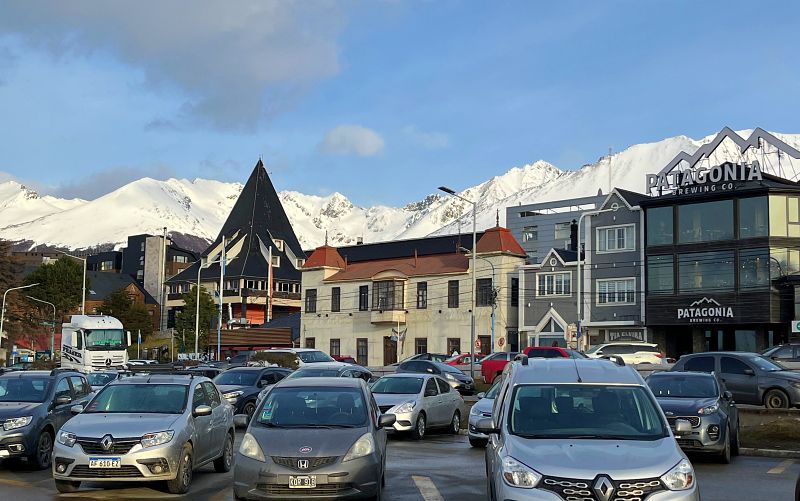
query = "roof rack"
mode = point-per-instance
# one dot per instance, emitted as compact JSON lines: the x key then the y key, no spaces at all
{"x":616,"y":359}
{"x":58,"y":370}
{"x":522,"y":358}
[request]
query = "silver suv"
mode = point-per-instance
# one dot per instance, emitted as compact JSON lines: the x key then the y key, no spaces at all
{"x":582,"y":429}
{"x":146,"y":428}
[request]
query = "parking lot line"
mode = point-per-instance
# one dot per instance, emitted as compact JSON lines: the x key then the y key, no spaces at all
{"x":14,"y":483}
{"x":777,"y":470}
{"x":427,"y":488}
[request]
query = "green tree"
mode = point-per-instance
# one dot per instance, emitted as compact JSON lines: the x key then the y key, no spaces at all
{"x":10,"y":271}
{"x":59,"y":283}
{"x":185,"y":319}
{"x":134,"y":317}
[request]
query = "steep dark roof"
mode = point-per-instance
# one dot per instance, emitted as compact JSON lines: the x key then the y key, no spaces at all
{"x":567,"y":256}
{"x":292,"y":321}
{"x":102,"y":284}
{"x":631,"y":197}
{"x":426,"y":246}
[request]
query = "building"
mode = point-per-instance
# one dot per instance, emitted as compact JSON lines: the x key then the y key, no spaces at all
{"x":383,"y":302}
{"x":103,"y":284}
{"x":262,"y":260}
{"x":722,"y":245}
{"x":34,"y":259}
{"x":544,"y":226}
{"x":109,"y":261}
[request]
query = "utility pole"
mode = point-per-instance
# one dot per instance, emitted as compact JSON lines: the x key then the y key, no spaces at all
{"x":221,"y":294}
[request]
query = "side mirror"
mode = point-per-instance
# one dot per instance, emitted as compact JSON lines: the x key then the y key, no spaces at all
{"x":430,"y":370}
{"x":481,"y":395}
{"x":386,"y":420}
{"x":682,"y":426}
{"x":727,"y":395}
{"x":63,"y":400}
{"x":486,"y":426}
{"x":240,"y":421}
{"x":201,"y":410}
{"x":129,"y":338}
{"x":76,"y":409}
{"x":749,"y":372}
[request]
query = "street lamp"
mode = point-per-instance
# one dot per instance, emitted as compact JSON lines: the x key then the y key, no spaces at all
{"x":579,"y":296}
{"x":493,"y":289}
{"x":52,"y":328}
{"x":474,"y":249}
{"x":83,"y":285}
{"x":3,"y":308}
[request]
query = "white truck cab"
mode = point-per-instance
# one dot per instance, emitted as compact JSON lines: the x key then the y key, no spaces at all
{"x":94,"y":342}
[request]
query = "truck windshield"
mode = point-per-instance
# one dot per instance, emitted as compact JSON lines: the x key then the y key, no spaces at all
{"x":104,"y":339}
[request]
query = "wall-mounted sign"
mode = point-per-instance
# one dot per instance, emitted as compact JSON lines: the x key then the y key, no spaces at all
{"x":706,"y":310}
{"x":703,"y":179}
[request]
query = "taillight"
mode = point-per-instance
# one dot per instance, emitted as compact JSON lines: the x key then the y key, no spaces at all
{"x":659,"y":355}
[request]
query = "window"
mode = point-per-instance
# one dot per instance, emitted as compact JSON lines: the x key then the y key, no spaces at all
{"x":278,"y":244}
{"x":789,"y":260}
{"x":311,"y":300}
{"x":422,"y":295}
{"x":616,"y":291}
{"x":199,"y":397}
{"x":754,"y":268}
{"x":706,"y":271}
{"x":784,"y":216}
{"x":753,"y":217}
{"x":62,"y":389}
{"x":730,"y":365}
{"x":363,"y":298}
{"x":659,"y":226}
{"x":311,"y":342}
{"x":141,"y":260}
{"x":485,"y":291}
{"x":180,"y":259}
{"x":141,"y":247}
{"x":213,"y":394}
{"x":336,"y":298}
{"x":299,"y":263}
{"x":700,"y":364}
{"x":452,"y":294}
{"x":79,"y":386}
{"x":443,"y":386}
{"x":530,"y":234}
{"x":515,"y":292}
{"x":336,"y":347}
{"x":660,"y":278}
{"x":276,"y":261}
{"x":453,"y":344}
{"x":361,"y":351}
{"x":420,"y":345}
{"x":705,"y":222}
{"x":616,"y":238}
{"x":553,"y":284}
{"x":387,"y":295}
{"x":106,"y":265}
{"x":562,"y":231}
{"x":139,"y":275}
{"x":232,"y":285}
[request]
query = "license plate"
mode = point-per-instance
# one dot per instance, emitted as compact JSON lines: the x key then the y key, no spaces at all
{"x":302,"y":481}
{"x":105,"y":463}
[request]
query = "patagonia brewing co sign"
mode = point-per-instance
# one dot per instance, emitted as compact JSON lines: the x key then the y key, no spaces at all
{"x":703,"y":179}
{"x":705,"y":310}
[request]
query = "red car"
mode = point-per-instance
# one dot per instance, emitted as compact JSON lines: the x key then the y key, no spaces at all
{"x":344,"y":358}
{"x":493,"y":365}
{"x":552,"y":352}
{"x":462,"y":359}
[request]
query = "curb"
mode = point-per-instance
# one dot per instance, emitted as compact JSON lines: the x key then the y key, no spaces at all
{"x":769,"y":453}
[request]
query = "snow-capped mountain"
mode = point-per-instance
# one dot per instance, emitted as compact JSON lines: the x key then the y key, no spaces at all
{"x":199,"y":208}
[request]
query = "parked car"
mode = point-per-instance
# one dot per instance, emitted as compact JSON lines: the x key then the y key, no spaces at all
{"x":140,"y":361}
{"x":98,"y":379}
{"x":419,"y":402}
{"x":34,"y":405}
{"x":305,"y":355}
{"x":239,"y":360}
{"x":208,"y":371}
{"x":787,"y":355}
{"x":751,"y":378}
{"x":314,"y":437}
{"x":241,"y":386}
{"x":493,"y":365}
{"x":552,"y":352}
{"x":454,"y":377}
{"x":326,"y":369}
{"x":432,"y":357}
{"x":631,"y":352}
{"x":344,"y":358}
{"x":700,"y":399}
{"x":463,"y":359}
{"x":591,"y":429}
{"x":482,"y":409}
{"x":157,"y":427}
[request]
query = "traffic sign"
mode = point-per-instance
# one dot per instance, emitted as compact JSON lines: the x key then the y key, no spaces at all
{"x":501,"y":342}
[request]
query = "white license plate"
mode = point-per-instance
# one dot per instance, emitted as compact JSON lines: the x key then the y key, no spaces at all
{"x":104,"y":463}
{"x":302,"y":481}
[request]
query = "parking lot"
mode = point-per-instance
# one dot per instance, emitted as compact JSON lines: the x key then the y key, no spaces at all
{"x":442,"y":467}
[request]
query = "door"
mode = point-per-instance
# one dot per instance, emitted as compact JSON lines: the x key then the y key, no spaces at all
{"x":219,"y":431}
{"x":81,"y":390}
{"x":733,"y":373}
{"x":449,"y":398}
{"x":486,"y":345}
{"x":389,"y":351}
{"x":61,"y":413}
{"x":202,"y":426}
{"x":431,"y":403}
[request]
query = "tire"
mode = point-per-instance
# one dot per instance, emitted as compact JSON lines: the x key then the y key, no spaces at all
{"x":249,"y":409}
{"x":67,"y":486}
{"x":224,"y":463}
{"x":477,"y":442}
{"x":735,"y":445}
{"x":776,"y":399}
{"x":43,"y":455}
{"x":180,"y":484}
{"x":418,"y":433}
{"x":378,"y":495}
{"x":725,"y":456}
{"x":455,"y":424}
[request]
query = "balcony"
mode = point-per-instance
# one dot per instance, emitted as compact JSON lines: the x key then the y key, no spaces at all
{"x":388,"y":316}
{"x":286,"y":295}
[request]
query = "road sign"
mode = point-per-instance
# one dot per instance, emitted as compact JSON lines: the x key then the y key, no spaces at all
{"x":795,"y":325}
{"x":501,"y":342}
{"x":478,"y":344}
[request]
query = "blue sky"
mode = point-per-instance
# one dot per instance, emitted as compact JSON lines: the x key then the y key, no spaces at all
{"x":381,"y":101}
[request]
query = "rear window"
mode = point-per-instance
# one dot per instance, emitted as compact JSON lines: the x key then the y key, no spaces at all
{"x":700,"y":364}
{"x":237,"y":378}
{"x":300,"y":373}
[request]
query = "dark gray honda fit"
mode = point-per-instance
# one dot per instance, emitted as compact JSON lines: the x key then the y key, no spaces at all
{"x":314,"y":438}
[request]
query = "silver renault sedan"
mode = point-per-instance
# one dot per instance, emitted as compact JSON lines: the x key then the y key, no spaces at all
{"x":313,"y":438}
{"x":145,"y":428}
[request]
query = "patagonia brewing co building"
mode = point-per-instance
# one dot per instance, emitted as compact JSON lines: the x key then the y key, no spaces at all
{"x":722,"y":245}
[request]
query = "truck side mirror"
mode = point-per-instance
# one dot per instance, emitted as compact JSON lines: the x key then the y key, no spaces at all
{"x":129,"y":338}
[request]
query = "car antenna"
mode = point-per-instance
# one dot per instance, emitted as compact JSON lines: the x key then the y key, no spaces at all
{"x":575,"y":362}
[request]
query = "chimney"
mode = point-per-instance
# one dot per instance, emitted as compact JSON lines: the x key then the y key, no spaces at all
{"x":573,"y":235}
{"x":359,"y":240}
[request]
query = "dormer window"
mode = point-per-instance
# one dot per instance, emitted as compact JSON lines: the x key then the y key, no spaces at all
{"x":276,"y":261}
{"x":279,"y":244}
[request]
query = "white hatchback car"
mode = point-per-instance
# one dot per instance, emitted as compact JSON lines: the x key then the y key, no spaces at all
{"x":631,"y":352}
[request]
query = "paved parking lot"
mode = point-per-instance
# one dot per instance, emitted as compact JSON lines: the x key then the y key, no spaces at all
{"x":442,"y":467}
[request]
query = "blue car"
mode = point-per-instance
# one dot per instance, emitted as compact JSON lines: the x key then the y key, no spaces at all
{"x":241,"y":386}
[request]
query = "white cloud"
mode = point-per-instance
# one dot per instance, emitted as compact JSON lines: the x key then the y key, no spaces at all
{"x":352,"y":139}
{"x":429,"y":140}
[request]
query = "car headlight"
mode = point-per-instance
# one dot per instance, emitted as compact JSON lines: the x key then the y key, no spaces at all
{"x":449,"y":376}
{"x":473,"y":411}
{"x":711,"y":409}
{"x":17,"y":422}
{"x":232,"y":395}
{"x":250,"y":448}
{"x":159,"y":438}
{"x":517,"y":474}
{"x":679,"y":478}
{"x":405,"y":408}
{"x":67,"y":438}
{"x":364,"y":446}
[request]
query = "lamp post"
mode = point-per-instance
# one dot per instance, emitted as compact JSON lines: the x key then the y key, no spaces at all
{"x":52,"y":328}
{"x":579,"y":296}
{"x":3,"y":308}
{"x":474,"y":245}
{"x":83,"y":285}
{"x":493,"y":290}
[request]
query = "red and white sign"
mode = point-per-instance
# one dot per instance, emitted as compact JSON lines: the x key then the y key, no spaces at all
{"x":478,"y":344}
{"x":501,"y":342}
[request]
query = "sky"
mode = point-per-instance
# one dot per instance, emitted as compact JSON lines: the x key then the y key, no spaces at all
{"x":382,"y":101}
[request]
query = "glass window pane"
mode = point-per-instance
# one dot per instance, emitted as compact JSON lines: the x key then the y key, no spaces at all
{"x":754,"y":265}
{"x":660,"y":274}
{"x":706,"y":222}
{"x":753,"y":217}
{"x":777,"y":216}
{"x":706,"y":271}
{"x":659,"y":226}
{"x":794,"y":216}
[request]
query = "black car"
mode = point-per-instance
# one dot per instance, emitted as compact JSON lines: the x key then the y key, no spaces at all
{"x":332,"y":369}
{"x":431,"y":357}
{"x":750,"y":377}
{"x":99,"y":379}
{"x":33,"y":407}
{"x":241,"y":386}
{"x":702,"y":400}
{"x":457,"y":379}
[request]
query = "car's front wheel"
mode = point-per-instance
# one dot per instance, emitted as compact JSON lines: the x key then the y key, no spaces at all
{"x":776,"y":399}
{"x":725,"y":455}
{"x":418,"y":433}
{"x":41,"y":457}
{"x":223,"y":463}
{"x":180,"y":484}
{"x":735,"y":444}
{"x":67,"y":486}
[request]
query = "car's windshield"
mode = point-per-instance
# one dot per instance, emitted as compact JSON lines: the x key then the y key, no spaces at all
{"x":310,"y":357}
{"x":585,"y":411}
{"x":100,"y":378}
{"x":678,"y":386}
{"x":313,"y":373}
{"x":576,"y":354}
{"x":23,"y":389}
{"x":593,"y":349}
{"x":447,"y":368}
{"x":768,"y":365}
{"x":237,"y":378}
{"x":145,"y":398}
{"x":313,"y":407}
{"x":398,"y":385}
{"x":104,"y":339}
